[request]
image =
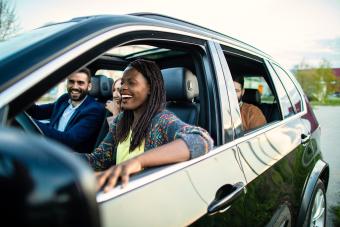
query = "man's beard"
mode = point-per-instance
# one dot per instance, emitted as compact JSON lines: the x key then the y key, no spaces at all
{"x":239,"y":99}
{"x":78,"y":97}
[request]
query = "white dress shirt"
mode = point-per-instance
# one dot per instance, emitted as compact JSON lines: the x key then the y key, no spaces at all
{"x":68,"y":112}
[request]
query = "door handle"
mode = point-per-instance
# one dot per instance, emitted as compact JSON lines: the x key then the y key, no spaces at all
{"x":305,"y":138}
{"x":225,"y":196}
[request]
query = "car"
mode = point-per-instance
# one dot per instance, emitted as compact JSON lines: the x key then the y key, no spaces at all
{"x":273,"y":175}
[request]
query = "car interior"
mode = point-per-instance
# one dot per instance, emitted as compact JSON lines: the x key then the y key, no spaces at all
{"x":183,"y":78}
{"x":259,"y":89}
{"x":181,"y":84}
{"x":179,"y":73}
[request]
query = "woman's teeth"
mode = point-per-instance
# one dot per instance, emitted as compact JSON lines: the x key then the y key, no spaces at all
{"x":126,"y":96}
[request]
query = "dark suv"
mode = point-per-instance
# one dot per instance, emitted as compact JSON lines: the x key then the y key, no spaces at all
{"x":272,"y":175}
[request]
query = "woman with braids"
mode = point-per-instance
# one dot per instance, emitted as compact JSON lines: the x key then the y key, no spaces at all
{"x":144,"y":134}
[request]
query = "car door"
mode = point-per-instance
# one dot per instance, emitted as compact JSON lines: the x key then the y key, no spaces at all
{"x":271,"y":157}
{"x":174,"y":195}
{"x":219,"y":178}
{"x":184,"y":193}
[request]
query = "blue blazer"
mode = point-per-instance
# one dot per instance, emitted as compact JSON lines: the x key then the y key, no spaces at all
{"x":81,"y":130}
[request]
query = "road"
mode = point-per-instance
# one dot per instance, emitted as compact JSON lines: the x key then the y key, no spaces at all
{"x":329,"y":119}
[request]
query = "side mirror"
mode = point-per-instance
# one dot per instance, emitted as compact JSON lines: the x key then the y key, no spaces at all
{"x":43,"y":183}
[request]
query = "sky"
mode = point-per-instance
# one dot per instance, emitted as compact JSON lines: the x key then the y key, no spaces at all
{"x":291,"y":31}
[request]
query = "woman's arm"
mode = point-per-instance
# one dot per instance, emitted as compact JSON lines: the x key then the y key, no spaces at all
{"x":173,"y":152}
{"x":104,"y":155}
{"x":183,"y":142}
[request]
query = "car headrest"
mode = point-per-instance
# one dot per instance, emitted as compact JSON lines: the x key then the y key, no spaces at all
{"x":252,"y":96}
{"x":101,"y":87}
{"x":180,"y":84}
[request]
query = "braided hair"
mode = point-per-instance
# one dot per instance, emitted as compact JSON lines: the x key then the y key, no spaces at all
{"x":154,"y":104}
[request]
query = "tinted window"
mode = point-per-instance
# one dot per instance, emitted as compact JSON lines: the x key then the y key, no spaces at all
{"x":293,"y":93}
{"x":286,"y":106}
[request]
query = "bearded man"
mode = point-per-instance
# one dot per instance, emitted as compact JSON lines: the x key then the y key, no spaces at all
{"x":75,"y":118}
{"x":252,"y":116}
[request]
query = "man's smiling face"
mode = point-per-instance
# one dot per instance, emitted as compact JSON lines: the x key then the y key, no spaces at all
{"x":78,"y":86}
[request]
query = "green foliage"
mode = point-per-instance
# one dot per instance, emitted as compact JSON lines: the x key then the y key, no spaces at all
{"x":327,"y":102}
{"x":317,"y":83}
{"x":336,"y":215}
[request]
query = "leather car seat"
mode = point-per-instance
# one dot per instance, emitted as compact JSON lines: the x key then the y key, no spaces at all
{"x":181,"y":87}
{"x":252,"y":96}
{"x":269,"y":110}
{"x":102,"y":91}
{"x":101,"y":88}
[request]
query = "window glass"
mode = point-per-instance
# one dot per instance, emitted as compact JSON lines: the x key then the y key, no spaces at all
{"x":286,"y":106}
{"x":259,"y":105}
{"x":293,"y":93}
{"x":261,"y":85}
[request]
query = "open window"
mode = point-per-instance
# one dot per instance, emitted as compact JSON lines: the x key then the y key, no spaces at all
{"x":175,"y":55}
{"x":259,"y":88}
{"x":182,"y":71}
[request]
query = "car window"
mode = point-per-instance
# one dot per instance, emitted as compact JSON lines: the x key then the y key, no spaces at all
{"x":286,"y":106}
{"x":164,"y":57}
{"x":291,"y":89}
{"x":259,"y":103}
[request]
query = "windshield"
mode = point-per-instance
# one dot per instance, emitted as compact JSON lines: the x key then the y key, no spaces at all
{"x":20,"y":42}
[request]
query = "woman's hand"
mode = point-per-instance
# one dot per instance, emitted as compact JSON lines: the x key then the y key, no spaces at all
{"x":113,"y":106}
{"x":110,"y":176}
{"x":173,"y":152}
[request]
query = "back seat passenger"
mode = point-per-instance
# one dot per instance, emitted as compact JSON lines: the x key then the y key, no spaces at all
{"x":269,"y":110}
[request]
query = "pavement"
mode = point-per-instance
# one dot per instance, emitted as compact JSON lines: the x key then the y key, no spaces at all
{"x":329,"y":119}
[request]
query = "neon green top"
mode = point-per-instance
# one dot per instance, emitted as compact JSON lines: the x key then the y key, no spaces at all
{"x":123,"y":148}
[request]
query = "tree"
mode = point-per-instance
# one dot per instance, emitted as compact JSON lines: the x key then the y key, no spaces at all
{"x":8,"y":23}
{"x":317,"y":83}
{"x":327,"y":78}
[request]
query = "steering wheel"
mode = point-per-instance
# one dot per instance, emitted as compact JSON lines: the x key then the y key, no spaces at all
{"x":27,"y":123}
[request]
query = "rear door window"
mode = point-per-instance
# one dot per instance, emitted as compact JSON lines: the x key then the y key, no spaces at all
{"x":291,"y":89}
{"x":286,"y":106}
{"x":258,"y":90}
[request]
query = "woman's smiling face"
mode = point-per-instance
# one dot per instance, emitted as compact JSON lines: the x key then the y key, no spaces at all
{"x":134,"y":90}
{"x":116,"y":90}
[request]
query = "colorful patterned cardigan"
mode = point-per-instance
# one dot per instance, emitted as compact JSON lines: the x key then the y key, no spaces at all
{"x":165,"y":127}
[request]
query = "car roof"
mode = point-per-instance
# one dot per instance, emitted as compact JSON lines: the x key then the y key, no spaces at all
{"x":82,"y":29}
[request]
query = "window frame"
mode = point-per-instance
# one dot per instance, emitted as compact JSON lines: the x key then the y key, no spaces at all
{"x":267,"y":77}
{"x":197,"y":48}
{"x":296,"y":89}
